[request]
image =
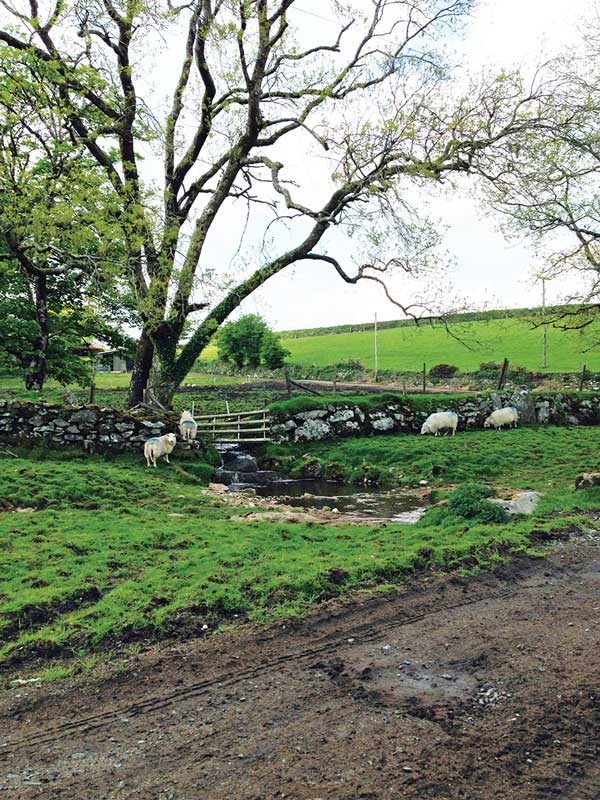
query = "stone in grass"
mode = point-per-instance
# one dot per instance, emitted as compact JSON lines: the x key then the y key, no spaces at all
{"x":522,"y":503}
{"x":587,"y":479}
{"x":312,"y":470}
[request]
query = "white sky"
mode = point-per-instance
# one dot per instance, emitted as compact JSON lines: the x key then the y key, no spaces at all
{"x":488,"y":269}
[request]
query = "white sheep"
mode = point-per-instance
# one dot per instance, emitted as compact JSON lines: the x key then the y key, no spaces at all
{"x":187,"y":426}
{"x":502,"y":416}
{"x":159,"y":446}
{"x":440,"y":421}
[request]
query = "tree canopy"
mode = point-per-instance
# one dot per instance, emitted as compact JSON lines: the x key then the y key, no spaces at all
{"x":61,"y":251}
{"x":254,"y":96}
{"x":547,"y":183}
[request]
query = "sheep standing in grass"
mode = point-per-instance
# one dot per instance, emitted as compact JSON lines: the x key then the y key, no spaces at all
{"x":442,"y":420}
{"x":187,"y":426}
{"x":501,"y":417}
{"x":159,"y":446}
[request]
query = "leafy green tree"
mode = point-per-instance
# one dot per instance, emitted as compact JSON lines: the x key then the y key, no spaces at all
{"x":370,"y":104}
{"x":240,"y":343}
{"x":71,"y":321}
{"x":61,"y":252}
{"x":272,"y":352}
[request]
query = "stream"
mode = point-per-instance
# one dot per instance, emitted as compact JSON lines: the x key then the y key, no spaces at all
{"x":396,"y":505}
{"x":240,"y":471}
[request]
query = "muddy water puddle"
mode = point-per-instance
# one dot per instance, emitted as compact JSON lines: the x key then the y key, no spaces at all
{"x":396,"y":505}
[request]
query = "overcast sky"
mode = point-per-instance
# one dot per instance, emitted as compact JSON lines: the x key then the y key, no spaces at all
{"x":488,"y":269}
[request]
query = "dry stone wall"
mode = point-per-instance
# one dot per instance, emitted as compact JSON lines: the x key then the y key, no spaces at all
{"x":92,"y":429}
{"x":405,"y":416}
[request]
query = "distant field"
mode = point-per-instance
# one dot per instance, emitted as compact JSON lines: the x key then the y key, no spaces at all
{"x":407,"y":348}
{"x":114,"y":380}
{"x":111,"y":390}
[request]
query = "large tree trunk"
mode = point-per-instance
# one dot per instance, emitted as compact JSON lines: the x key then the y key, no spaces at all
{"x":141,"y":371}
{"x":164,"y":379}
{"x":36,"y":371}
{"x":162,"y":385}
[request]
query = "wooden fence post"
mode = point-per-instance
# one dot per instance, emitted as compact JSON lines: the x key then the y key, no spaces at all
{"x":93,"y":382}
{"x":582,"y":380}
{"x":288,"y":384}
{"x":424,"y":378}
{"x":503,"y":372}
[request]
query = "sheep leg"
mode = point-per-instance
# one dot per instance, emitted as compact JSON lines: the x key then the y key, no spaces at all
{"x":167,"y":458}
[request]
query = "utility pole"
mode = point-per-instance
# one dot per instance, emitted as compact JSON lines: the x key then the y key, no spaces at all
{"x":544,"y":325}
{"x":376,"y":352}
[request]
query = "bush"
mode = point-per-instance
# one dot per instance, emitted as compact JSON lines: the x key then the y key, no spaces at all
{"x":470,"y":501}
{"x":521,"y":376}
{"x":489,"y":369}
{"x":443,"y":371}
{"x":239,"y":342}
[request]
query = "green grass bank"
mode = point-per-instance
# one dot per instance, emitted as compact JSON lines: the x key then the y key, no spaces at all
{"x":545,"y":458}
{"x":111,"y":553}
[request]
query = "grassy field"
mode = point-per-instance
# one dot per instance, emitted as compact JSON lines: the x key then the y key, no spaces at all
{"x":545,"y":459}
{"x":110,"y":553}
{"x":407,"y":348}
{"x":111,"y":390}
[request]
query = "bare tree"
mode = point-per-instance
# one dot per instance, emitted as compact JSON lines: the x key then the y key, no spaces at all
{"x":546,"y":183}
{"x":252,"y":89}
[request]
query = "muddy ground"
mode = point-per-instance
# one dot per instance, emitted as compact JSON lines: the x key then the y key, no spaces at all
{"x":481,"y":688}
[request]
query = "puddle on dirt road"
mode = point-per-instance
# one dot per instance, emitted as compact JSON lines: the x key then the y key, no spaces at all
{"x":408,"y":680}
{"x":386,"y":678}
{"x":395,"y":505}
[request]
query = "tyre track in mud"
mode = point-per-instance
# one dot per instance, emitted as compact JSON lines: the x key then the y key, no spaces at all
{"x":339,"y":705}
{"x":365,"y":633}
{"x":588,"y":786}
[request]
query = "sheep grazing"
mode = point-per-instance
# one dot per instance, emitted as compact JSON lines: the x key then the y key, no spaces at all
{"x":187,"y":426}
{"x":501,"y":417}
{"x":442,"y":420}
{"x":159,"y":446}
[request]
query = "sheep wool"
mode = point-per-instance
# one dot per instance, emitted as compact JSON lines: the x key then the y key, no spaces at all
{"x":187,"y":426}
{"x":501,"y":417}
{"x":159,"y":446}
{"x":442,"y":420}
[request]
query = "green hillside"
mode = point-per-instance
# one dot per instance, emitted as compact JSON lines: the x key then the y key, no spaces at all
{"x":463,"y":316}
{"x":406,"y":348}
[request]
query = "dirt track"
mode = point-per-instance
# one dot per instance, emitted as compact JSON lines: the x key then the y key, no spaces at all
{"x":481,"y":689}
